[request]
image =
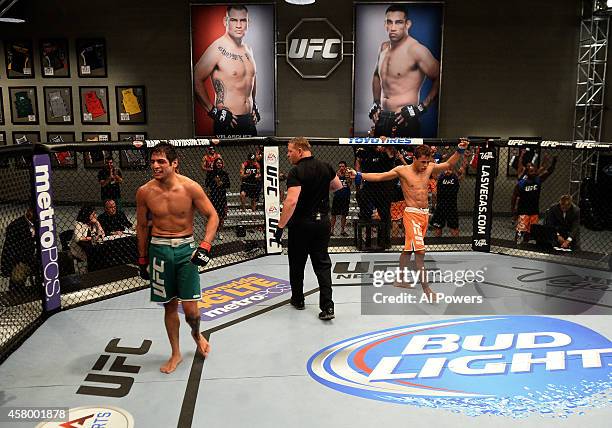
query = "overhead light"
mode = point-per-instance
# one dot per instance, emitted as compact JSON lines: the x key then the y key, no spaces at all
{"x":12,"y":15}
{"x":303,"y":2}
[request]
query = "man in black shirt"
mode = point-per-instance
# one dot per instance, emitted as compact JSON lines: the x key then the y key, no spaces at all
{"x":306,"y":212}
{"x":113,"y":221}
{"x":110,"y":179}
{"x":446,"y":213}
{"x":18,"y":258}
{"x":378,"y":194}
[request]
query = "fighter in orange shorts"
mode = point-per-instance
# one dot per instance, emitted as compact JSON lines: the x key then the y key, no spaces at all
{"x":414,"y":180}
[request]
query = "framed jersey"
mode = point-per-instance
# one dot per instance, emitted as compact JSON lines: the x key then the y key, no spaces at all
{"x":24,"y":105}
{"x":91,"y":57}
{"x":131,"y":105}
{"x":54,"y":58}
{"x":94,"y":105}
{"x":19,"y":59}
{"x":58,"y":105}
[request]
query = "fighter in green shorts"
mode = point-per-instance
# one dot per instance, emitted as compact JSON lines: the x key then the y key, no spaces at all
{"x":173,"y":274}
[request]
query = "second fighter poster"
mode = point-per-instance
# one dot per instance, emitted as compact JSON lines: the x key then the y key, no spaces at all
{"x":398,"y":48}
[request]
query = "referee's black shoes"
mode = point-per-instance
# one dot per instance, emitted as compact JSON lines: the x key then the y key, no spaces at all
{"x":298,"y":305}
{"x":327,"y":314}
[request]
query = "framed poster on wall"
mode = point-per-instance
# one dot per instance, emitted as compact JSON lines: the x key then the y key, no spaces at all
{"x":1,"y":108}
{"x":24,"y":105}
{"x":398,"y":54}
{"x":58,"y":105}
{"x":233,"y":86}
{"x":136,"y":158}
{"x":91,"y":57}
{"x":25,"y":137}
{"x":131,"y":105}
{"x":94,"y":105}
{"x":54,"y":58}
{"x":95,"y":159}
{"x":65,"y":159}
{"x":18,"y":59}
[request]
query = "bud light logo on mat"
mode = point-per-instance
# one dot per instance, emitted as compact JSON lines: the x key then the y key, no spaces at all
{"x":513,"y":366}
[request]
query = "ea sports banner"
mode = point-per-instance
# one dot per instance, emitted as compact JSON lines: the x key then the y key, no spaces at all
{"x":233,"y":70}
{"x":271,"y":197}
{"x":398,"y":53}
{"x":483,"y":218}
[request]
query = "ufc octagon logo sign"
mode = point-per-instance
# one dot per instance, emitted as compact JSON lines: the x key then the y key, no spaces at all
{"x":314,"y":48}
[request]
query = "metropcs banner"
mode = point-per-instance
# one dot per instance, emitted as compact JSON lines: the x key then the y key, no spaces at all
{"x":512,"y":366}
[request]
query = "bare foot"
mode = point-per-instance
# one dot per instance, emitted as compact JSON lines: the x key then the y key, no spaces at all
{"x":431,"y":297}
{"x":203,"y":346}
{"x":170,"y":366}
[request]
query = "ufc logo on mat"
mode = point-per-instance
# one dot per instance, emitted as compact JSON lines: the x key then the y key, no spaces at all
{"x":306,"y":48}
{"x":156,"y":279}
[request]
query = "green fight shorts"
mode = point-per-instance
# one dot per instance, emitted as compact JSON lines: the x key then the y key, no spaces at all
{"x":172,"y":273}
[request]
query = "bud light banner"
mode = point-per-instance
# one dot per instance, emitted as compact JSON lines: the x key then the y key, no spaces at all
{"x":512,"y":366}
{"x":47,"y":240}
{"x":483,"y":218}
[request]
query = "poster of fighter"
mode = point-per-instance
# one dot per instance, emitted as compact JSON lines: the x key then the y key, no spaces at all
{"x":398,"y":52}
{"x":233,"y":70}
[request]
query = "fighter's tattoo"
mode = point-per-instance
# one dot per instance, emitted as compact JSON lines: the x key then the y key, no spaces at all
{"x":219,"y":90}
{"x":230,"y":55}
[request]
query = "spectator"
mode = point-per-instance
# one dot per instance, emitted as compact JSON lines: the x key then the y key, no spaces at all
{"x":110,"y":179}
{"x":112,"y":220}
{"x":217,"y":183}
{"x":342,"y":199}
{"x":564,"y":218}
{"x":527,"y":194}
{"x":19,"y":250}
{"x":209,"y":159}
{"x":87,"y":230}
{"x":446,"y":212}
{"x":250,"y":174}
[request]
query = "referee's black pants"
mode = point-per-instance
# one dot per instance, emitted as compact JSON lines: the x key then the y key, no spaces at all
{"x":310,"y":237}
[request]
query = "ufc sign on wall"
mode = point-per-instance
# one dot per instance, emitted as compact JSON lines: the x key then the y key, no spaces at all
{"x":314,"y":48}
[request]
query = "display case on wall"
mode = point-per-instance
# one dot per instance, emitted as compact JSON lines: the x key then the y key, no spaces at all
{"x":18,"y":59}
{"x":131,"y":105}
{"x":136,"y":158}
{"x":24,"y":105}
{"x":95,"y":159}
{"x":65,"y":159}
{"x":91,"y":57}
{"x":58,"y":105}
{"x":54,"y":58}
{"x":94,"y":105}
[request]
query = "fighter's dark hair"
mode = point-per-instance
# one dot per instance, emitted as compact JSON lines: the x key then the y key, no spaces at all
{"x":107,"y":158}
{"x":398,"y":8}
{"x":344,"y":162}
{"x":421,"y":151}
{"x":84,"y":214}
{"x":166,"y":149}
{"x":238,"y":7}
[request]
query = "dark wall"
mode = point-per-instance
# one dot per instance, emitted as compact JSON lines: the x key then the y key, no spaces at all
{"x":508,"y":68}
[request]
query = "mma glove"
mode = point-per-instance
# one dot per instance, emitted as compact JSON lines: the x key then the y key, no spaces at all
{"x":278,"y":234}
{"x":222,"y":116}
{"x":412,"y":112}
{"x":374,"y":110}
{"x":143,"y":268}
{"x":256,"y":112}
{"x":201,"y":256}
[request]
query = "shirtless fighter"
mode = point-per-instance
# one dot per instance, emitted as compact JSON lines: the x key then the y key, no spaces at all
{"x":231,"y":66}
{"x":403,"y":63}
{"x":414,"y":180}
{"x":172,"y":259}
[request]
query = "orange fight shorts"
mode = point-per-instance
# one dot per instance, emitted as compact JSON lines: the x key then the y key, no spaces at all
{"x":415,"y":228}
{"x":525,"y":221}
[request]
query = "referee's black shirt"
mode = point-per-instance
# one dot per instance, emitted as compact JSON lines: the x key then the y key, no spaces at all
{"x":314,"y":176}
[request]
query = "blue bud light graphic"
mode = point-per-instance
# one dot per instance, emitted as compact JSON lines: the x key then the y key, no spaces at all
{"x":512,"y":366}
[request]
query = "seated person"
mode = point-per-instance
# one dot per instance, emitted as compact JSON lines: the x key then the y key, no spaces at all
{"x":87,"y":230}
{"x":113,"y":221}
{"x":19,"y":250}
{"x":564,"y":218}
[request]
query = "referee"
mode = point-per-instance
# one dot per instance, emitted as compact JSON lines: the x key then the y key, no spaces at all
{"x":306,"y":213}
